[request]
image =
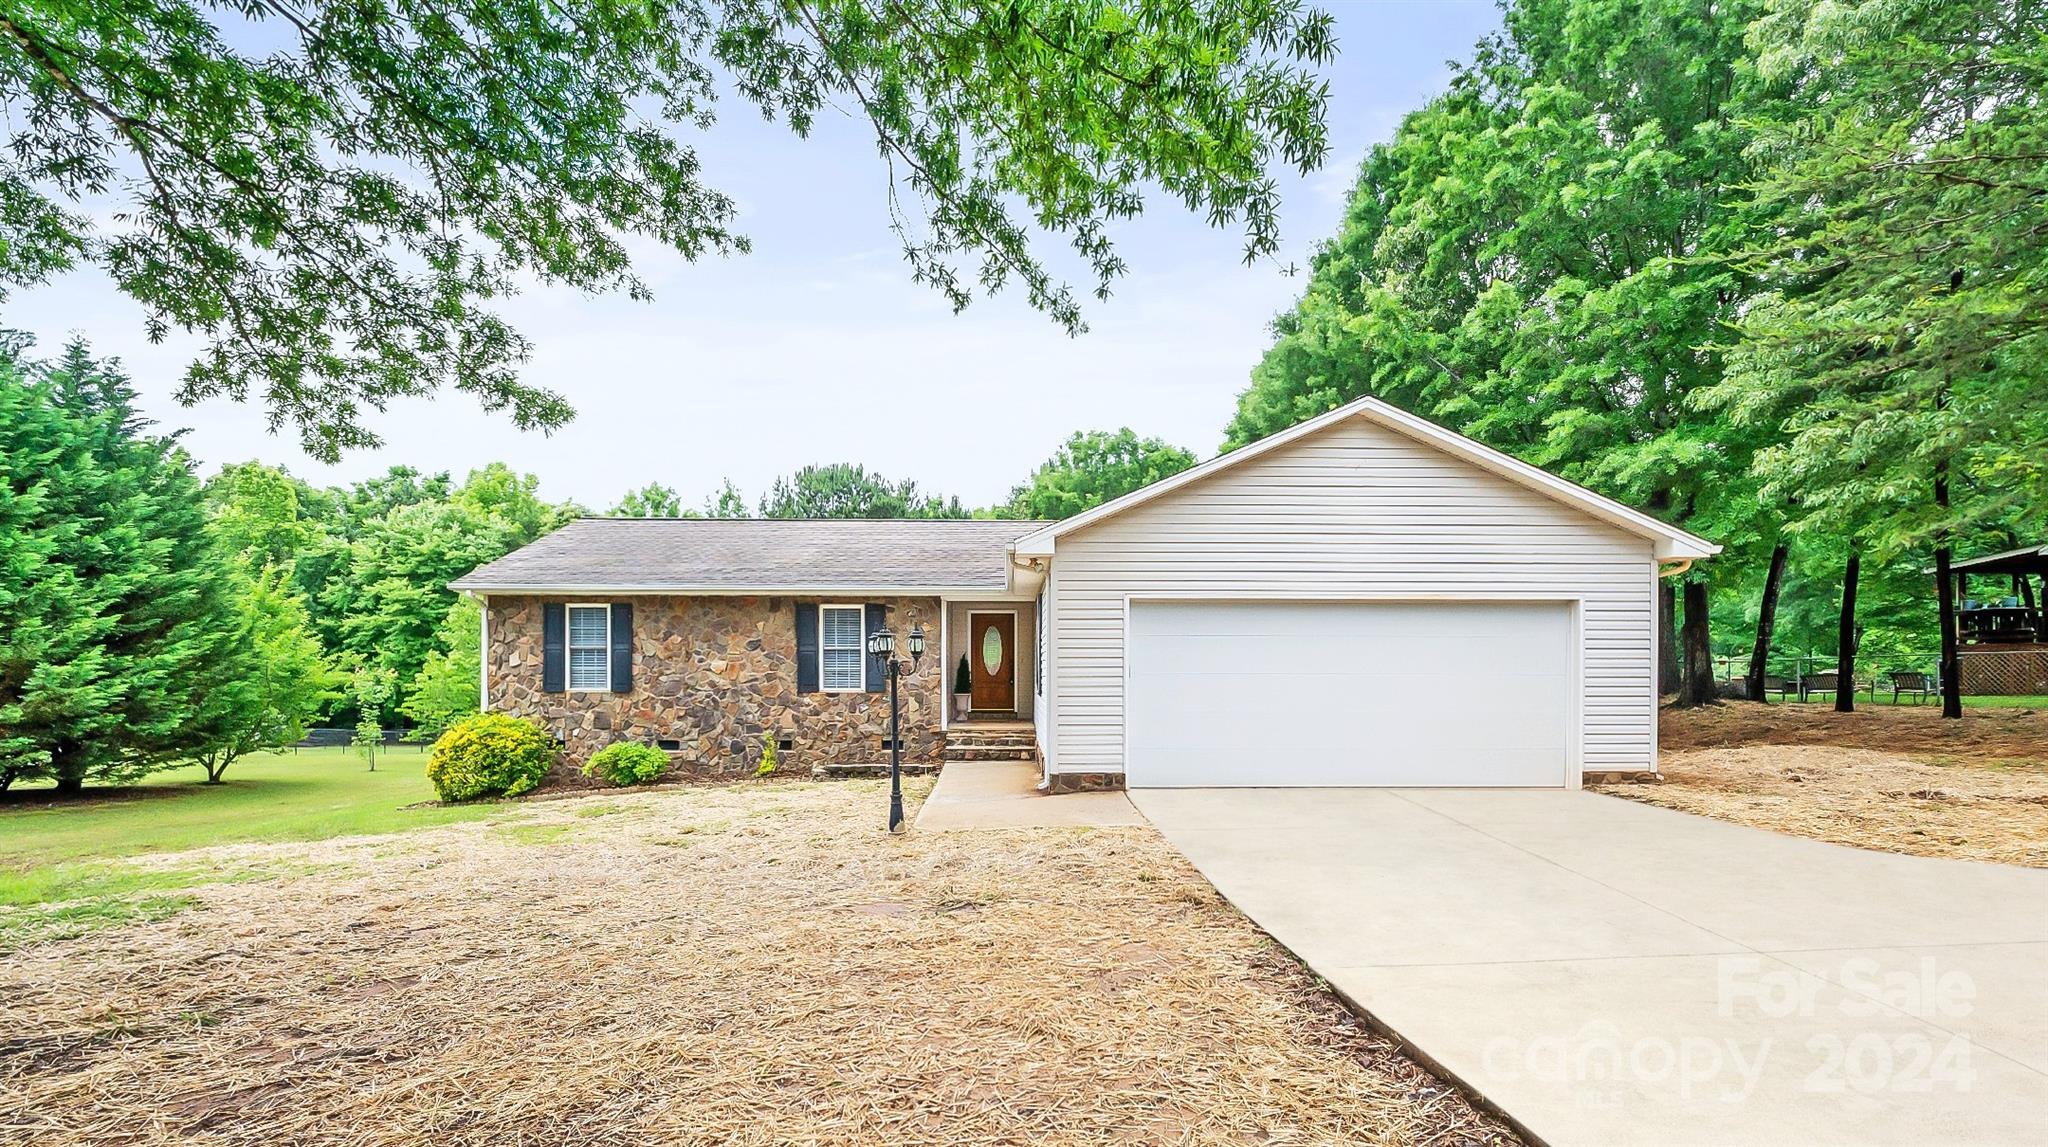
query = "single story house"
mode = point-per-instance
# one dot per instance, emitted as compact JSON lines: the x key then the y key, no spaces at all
{"x":1364,"y":599}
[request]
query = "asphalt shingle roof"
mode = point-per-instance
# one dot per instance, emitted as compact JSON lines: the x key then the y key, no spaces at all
{"x":654,"y":554}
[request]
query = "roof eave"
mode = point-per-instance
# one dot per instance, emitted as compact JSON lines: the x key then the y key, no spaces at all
{"x":466,"y":585}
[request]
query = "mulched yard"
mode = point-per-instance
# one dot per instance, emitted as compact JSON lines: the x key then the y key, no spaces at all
{"x":1893,"y":779}
{"x":755,"y":964}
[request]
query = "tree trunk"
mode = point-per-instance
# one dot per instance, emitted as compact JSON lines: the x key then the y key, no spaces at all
{"x":1766,"y":620}
{"x":1697,"y":685}
{"x":1667,"y":638}
{"x":1845,"y":639}
{"x":2032,"y":603}
{"x":1945,"y":594}
{"x":68,"y":763}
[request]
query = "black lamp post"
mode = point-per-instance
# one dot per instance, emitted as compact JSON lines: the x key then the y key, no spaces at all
{"x":882,"y":643}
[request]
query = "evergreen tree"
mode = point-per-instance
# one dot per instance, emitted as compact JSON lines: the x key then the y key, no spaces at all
{"x":113,"y":586}
{"x":846,"y":490}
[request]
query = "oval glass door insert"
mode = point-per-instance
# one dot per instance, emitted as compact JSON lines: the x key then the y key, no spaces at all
{"x":992,"y":650}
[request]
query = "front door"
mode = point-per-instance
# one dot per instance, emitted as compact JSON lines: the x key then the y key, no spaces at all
{"x":992,"y":637}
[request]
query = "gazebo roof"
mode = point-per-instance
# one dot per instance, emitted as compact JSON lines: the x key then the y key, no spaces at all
{"x":2025,"y":560}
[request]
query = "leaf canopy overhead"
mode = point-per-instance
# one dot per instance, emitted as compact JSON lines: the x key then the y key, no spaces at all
{"x":336,"y":215}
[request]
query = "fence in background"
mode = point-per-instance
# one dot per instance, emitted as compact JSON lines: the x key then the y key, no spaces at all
{"x":346,"y":738}
{"x":1795,"y":669}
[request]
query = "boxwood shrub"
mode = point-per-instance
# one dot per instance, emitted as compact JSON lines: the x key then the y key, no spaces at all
{"x":489,"y":754}
{"x":627,"y":763}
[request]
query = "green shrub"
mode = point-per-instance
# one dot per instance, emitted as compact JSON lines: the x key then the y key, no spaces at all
{"x":768,"y":762}
{"x":627,"y":763}
{"x":963,"y":677}
{"x":489,"y":754}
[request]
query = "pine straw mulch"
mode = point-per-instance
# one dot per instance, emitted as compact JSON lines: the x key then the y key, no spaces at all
{"x":1892,"y":780}
{"x":755,"y":964}
{"x":1917,"y":730}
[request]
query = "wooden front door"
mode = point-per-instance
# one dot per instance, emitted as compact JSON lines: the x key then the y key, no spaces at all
{"x":992,"y":638}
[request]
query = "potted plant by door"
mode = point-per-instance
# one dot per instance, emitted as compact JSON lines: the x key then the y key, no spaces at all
{"x":963,"y":688}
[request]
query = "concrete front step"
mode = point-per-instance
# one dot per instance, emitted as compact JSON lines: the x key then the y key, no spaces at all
{"x":1027,"y":754}
{"x":841,"y":772}
{"x":992,"y":742}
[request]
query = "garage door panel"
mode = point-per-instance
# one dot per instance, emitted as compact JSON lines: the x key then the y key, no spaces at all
{"x":1203,"y":770}
{"x":1299,"y":693}
{"x":1449,"y":657}
{"x":1327,"y":709}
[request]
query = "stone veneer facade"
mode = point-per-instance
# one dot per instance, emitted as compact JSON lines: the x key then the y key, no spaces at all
{"x":715,"y":674}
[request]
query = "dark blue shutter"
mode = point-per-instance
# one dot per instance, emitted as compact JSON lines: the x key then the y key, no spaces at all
{"x":554,"y":646}
{"x":622,"y":647}
{"x":878,"y":667}
{"x":806,"y":647}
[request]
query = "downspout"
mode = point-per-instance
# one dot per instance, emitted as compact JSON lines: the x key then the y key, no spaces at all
{"x":483,"y":656}
{"x":1044,"y":626}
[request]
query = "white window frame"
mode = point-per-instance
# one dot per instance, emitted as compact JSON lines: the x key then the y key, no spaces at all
{"x":861,"y":647}
{"x":569,"y":647}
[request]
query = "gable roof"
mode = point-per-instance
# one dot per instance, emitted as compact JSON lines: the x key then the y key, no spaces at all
{"x":757,"y":556}
{"x":1669,"y":541}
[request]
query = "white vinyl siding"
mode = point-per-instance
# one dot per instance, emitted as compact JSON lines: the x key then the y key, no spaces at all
{"x":1354,"y":512}
{"x":590,"y":652}
{"x":842,"y":649}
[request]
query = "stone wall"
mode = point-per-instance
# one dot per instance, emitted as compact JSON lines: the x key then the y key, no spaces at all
{"x":715,"y":674}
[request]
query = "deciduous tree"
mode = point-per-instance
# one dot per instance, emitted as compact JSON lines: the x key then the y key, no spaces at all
{"x":278,"y":681}
{"x":653,"y":500}
{"x":449,"y":686}
{"x":1092,"y":467}
{"x":338,"y":213}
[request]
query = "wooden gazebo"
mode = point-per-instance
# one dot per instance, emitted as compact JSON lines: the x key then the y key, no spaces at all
{"x":1999,"y":623}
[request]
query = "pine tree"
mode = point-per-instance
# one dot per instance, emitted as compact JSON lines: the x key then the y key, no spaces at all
{"x":112,"y":584}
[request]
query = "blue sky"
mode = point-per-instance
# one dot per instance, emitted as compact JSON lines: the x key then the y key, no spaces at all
{"x":817,"y":347}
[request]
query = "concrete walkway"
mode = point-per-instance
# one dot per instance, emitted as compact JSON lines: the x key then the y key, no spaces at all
{"x":1004,"y":794}
{"x":1607,"y":972}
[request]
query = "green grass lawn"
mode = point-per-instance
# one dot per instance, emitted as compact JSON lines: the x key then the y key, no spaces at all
{"x":1884,"y":697}
{"x":309,"y":795}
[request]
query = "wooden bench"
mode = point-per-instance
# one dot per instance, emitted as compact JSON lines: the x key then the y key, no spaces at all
{"x":1919,"y":686}
{"x":1827,"y":683}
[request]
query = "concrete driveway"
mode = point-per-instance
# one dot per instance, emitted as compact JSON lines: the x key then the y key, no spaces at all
{"x":1608,"y":972}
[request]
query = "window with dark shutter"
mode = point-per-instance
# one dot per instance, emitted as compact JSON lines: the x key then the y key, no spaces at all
{"x":842,"y":649}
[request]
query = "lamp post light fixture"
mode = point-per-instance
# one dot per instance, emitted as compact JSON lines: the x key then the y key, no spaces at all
{"x":882,"y":644}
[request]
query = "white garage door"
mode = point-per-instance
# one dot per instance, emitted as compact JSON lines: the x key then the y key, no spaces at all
{"x":1314,"y":693}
